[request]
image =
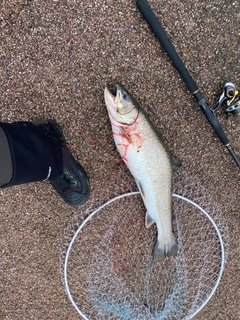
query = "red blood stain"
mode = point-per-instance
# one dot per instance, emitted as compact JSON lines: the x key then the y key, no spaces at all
{"x":129,"y":135}
{"x":93,"y":143}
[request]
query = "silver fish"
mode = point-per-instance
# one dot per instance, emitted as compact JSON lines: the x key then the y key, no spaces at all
{"x":148,"y":160}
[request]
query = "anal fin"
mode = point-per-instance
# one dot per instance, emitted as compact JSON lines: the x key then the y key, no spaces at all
{"x":148,"y":221}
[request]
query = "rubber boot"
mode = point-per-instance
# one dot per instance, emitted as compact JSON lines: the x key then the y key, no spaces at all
{"x":6,"y":169}
{"x":38,"y":153}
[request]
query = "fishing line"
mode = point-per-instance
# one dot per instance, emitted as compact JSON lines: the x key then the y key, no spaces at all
{"x":108,"y":306}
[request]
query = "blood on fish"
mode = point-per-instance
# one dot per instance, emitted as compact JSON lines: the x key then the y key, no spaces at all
{"x":123,"y":136}
{"x":124,"y":153}
{"x":128,"y":135}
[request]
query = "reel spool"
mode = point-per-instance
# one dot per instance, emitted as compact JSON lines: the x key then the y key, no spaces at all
{"x":231,"y":97}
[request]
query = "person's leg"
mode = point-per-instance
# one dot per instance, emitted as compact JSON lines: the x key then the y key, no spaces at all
{"x":38,"y":153}
{"x":6,"y":168}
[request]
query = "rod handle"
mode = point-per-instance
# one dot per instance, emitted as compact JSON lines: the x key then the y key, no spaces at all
{"x":157,"y":29}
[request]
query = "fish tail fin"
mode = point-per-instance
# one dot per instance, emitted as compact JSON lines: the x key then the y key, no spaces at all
{"x":162,"y":250}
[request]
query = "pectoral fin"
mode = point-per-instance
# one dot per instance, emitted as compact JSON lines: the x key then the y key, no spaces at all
{"x":148,"y":221}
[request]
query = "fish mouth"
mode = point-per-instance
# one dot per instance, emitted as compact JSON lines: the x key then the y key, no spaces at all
{"x":110,"y":97}
{"x":118,"y":107}
{"x":111,"y":102}
{"x":116,"y":98}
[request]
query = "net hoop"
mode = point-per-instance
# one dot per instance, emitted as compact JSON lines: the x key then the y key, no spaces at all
{"x":127,"y":195}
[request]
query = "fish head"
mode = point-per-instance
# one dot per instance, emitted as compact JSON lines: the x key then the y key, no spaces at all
{"x":121,"y":106}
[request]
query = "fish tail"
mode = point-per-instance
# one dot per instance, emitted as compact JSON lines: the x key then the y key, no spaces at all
{"x":162,"y":250}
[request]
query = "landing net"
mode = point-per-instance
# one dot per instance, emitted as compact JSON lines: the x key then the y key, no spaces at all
{"x":108,"y":266}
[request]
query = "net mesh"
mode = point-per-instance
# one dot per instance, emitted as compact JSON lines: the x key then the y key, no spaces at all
{"x":110,"y":269}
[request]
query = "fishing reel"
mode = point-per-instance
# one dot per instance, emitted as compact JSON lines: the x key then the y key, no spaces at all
{"x":231,"y":96}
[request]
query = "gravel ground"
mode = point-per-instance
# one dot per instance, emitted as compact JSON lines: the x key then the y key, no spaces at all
{"x":56,"y":58}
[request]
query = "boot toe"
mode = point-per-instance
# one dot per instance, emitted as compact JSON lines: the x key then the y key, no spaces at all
{"x":72,"y":185}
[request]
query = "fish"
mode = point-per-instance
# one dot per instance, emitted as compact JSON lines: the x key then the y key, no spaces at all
{"x":149,"y":161}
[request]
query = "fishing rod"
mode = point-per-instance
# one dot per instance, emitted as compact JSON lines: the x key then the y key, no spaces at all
{"x":230,"y":94}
